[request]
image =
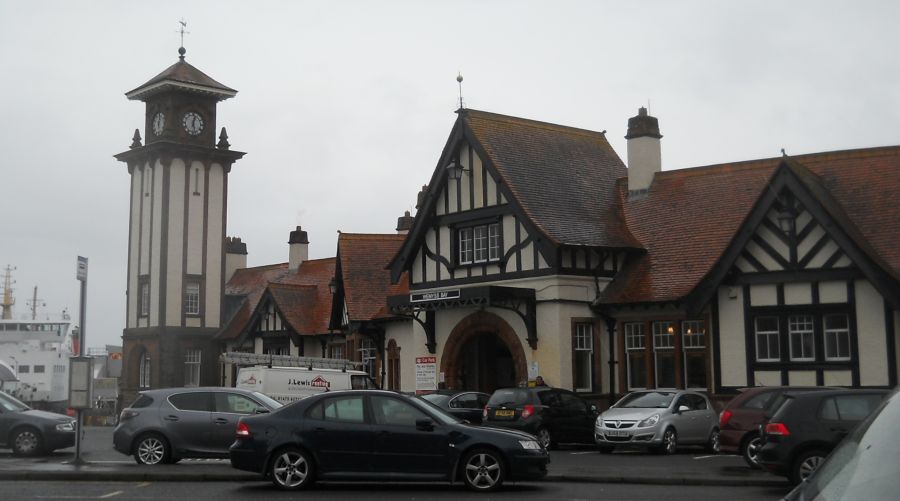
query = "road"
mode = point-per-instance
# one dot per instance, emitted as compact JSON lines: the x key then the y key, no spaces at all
{"x":233,"y":491}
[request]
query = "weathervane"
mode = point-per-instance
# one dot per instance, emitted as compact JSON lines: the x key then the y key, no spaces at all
{"x":183,"y":24}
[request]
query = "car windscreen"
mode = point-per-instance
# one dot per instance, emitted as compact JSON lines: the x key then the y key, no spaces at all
{"x":10,"y":403}
{"x":647,"y":400}
{"x":269,"y":402}
{"x":865,"y":465}
{"x":510,"y":397}
{"x":434,"y":411}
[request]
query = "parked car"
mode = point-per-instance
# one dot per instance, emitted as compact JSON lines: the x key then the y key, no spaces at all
{"x":166,"y":425}
{"x":30,"y":432}
{"x":808,"y":425}
{"x":659,"y":420}
{"x":865,"y":465}
{"x":739,"y":421}
{"x":377,"y":435}
{"x":467,"y":405}
{"x":554,"y":415}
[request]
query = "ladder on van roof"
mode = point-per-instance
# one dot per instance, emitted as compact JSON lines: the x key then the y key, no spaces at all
{"x":245,"y":359}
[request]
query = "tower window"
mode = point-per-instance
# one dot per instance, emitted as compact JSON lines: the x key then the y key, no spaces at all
{"x":192,"y":297}
{"x":144,"y":306}
{"x":144,"y":372}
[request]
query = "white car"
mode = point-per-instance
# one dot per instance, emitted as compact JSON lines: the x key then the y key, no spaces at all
{"x":660,"y":420}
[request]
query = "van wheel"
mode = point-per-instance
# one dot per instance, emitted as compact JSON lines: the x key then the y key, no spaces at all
{"x":292,"y":469}
{"x":152,"y":448}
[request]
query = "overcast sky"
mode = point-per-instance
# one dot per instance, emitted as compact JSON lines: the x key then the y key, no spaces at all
{"x":343,"y":107}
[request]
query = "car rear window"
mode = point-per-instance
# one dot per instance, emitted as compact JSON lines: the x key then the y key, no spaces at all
{"x":760,"y":401}
{"x":510,"y":396}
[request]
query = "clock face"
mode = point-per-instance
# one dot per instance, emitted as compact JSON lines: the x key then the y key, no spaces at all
{"x":193,"y":123}
{"x":159,"y":123}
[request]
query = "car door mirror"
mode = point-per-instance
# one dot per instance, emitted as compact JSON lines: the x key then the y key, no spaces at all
{"x":424,"y":424}
{"x":594,"y":410}
{"x":682,"y":408}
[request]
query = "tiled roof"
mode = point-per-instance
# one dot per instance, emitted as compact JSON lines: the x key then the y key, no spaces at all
{"x":305,"y":317}
{"x":562,"y":177}
{"x":689,"y":216}
{"x":182,"y":75}
{"x":366,"y":281}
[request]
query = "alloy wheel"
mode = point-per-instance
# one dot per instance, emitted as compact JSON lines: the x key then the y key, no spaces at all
{"x":483,"y":471}
{"x":151,"y":450}
{"x":751,"y":451}
{"x":670,"y":441}
{"x":809,"y":465}
{"x":291,"y":470}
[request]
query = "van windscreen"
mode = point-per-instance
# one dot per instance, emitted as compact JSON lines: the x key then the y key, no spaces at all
{"x":362,"y":383}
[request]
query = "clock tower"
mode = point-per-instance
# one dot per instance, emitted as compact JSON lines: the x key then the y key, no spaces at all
{"x":176,"y":232}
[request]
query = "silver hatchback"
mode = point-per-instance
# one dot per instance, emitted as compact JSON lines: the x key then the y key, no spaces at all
{"x":166,"y":425}
{"x":660,"y":420}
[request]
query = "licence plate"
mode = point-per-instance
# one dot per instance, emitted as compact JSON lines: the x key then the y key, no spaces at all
{"x":504,"y":413}
{"x":617,"y":433}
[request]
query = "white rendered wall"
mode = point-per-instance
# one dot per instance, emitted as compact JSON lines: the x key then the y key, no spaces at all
{"x":731,"y":337}
{"x":175,"y":251}
{"x":870,"y":324}
{"x":644,"y":160}
{"x":215,"y":240}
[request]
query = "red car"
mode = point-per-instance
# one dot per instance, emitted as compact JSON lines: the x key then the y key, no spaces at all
{"x":740,"y":420}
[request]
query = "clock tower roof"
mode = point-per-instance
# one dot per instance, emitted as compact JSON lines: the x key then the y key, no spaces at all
{"x":184,"y":77}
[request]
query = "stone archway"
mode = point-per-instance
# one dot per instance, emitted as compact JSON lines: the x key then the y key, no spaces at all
{"x":476,"y":325}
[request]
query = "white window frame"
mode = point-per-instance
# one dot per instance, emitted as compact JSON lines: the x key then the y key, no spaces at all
{"x":144,"y":306}
{"x":663,"y":342}
{"x":192,"y":297}
{"x":466,"y":246}
{"x":635,"y":341}
{"x":768,"y":335}
{"x":583,"y":347}
{"x":693,"y":339}
{"x":192,"y":367}
{"x":479,"y":244}
{"x":144,"y":371}
{"x":803,"y":326}
{"x":494,"y":242}
{"x":368,"y":356}
{"x":835,"y":333}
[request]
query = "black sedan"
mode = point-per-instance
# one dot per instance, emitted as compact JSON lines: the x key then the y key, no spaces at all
{"x":378,"y":435}
{"x":467,"y":405}
{"x":30,"y":432}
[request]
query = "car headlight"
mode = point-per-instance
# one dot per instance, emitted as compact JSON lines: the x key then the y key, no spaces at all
{"x":650,"y":421}
{"x":530,"y":445}
{"x":69,"y":426}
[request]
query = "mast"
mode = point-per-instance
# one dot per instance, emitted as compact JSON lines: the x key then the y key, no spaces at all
{"x":8,"y":299}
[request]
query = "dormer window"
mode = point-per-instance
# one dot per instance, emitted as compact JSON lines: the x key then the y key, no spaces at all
{"x":479,"y":244}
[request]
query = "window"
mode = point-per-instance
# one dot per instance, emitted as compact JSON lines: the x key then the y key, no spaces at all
{"x":767,"y":339}
{"x":693,"y":341}
{"x":802,"y":336}
{"x":191,"y":401}
{"x":192,"y":297}
{"x":367,"y":354}
{"x":38,"y":369}
{"x":234,"y":403}
{"x":664,"y":353}
{"x":837,"y":337}
{"x":144,"y":372}
{"x":393,"y":412}
{"x":583,"y":348}
{"x":24,"y":369}
{"x":393,"y":366}
{"x":634,"y":348}
{"x":346,"y":409}
{"x":337,"y":351}
{"x":192,"y":368}
{"x":144,"y":309}
{"x":479,"y":244}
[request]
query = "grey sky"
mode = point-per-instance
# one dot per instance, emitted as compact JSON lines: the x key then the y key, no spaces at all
{"x":343,"y":107}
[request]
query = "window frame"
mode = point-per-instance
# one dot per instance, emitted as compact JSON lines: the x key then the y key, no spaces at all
{"x":193,"y":358}
{"x":144,"y":292}
{"x":582,"y":352}
{"x":667,"y":333}
{"x":191,"y":301}
{"x":478,"y":243}
{"x":845,"y":331}
{"x":805,"y":333}
{"x":631,"y":341}
{"x":769,"y":334}
{"x":145,"y":371}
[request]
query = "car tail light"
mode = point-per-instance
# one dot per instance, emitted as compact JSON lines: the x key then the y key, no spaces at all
{"x":127,"y":414}
{"x":242,"y":430}
{"x":485,"y":412}
{"x":777,"y":429}
{"x":724,"y":417}
{"x":527,"y":411}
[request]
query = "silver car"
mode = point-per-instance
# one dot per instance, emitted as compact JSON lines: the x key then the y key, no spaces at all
{"x":659,"y":420}
{"x":165,"y":425}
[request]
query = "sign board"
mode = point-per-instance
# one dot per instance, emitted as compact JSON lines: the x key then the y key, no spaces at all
{"x":81,"y":273}
{"x":426,"y":374}
{"x":81,"y":375}
{"x":421,"y":297}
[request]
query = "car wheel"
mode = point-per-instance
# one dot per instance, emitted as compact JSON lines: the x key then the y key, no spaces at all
{"x":152,"y":449}
{"x":544,"y":438}
{"x":292,"y":469}
{"x":805,"y":464}
{"x":712,"y":445}
{"x":670,"y":441}
{"x":26,"y":442}
{"x":750,"y":450}
{"x":483,"y":470}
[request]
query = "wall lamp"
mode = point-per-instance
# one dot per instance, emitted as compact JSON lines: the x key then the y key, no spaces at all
{"x":455,"y":169}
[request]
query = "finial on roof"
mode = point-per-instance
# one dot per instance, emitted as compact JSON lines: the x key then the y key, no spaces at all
{"x":136,"y":140}
{"x":223,"y":143}
{"x":181,"y":52}
{"x":181,"y":49}
{"x":459,"y":80}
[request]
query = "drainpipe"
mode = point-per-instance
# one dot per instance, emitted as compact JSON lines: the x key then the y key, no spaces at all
{"x":611,"y":329}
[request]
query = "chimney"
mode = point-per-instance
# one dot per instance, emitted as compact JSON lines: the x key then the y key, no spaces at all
{"x":420,"y":198}
{"x":644,"y":156}
{"x":299,"y":249}
{"x":235,"y":256}
{"x":404,"y":223}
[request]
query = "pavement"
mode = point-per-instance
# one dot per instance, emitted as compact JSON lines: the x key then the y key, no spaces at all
{"x":569,"y":464}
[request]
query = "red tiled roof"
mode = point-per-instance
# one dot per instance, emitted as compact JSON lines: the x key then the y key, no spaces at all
{"x":366,"y":281}
{"x":562,"y":177}
{"x":308,"y":316}
{"x":689,"y":216}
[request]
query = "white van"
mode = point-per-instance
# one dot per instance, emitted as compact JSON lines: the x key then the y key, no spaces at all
{"x":289,"y":384}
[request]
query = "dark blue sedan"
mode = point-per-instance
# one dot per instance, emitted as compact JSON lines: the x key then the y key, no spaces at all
{"x":380,"y":435}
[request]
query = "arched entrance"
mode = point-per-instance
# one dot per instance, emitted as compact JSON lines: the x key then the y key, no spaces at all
{"x":483,"y":353}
